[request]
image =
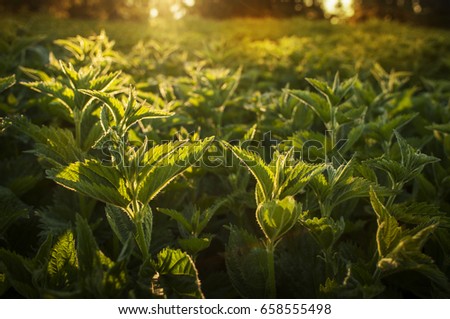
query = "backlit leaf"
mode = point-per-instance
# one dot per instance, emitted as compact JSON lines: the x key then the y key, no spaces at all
{"x":177,"y":274}
{"x":7,"y":82}
{"x":264,"y":176}
{"x":95,"y":180}
{"x":277,"y":217}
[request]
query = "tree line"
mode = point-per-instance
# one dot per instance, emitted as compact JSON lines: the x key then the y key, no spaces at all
{"x":425,"y":11}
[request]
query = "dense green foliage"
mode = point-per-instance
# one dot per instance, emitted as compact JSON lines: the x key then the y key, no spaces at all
{"x":287,"y":159}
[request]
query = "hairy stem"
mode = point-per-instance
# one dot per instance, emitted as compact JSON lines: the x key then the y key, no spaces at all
{"x":140,"y":239}
{"x":77,"y":119}
{"x":270,"y":248}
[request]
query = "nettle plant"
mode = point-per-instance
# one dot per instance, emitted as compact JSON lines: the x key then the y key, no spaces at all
{"x":293,"y":196}
{"x":343,"y":122}
{"x":276,"y":213}
{"x":97,"y":160}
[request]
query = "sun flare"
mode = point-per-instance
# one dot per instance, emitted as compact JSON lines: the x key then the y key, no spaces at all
{"x":341,"y":8}
{"x":177,"y":8}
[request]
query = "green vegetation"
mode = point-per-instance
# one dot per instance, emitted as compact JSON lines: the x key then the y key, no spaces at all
{"x":244,"y":158}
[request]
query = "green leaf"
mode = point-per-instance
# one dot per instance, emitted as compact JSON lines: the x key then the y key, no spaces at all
{"x":155,"y":178}
{"x":70,"y":73}
{"x":382,"y":129}
{"x":120,"y":223}
{"x":321,"y":87}
{"x":298,"y":177}
{"x":92,"y":137}
{"x":194,"y":245}
{"x":41,"y":256}
{"x":349,"y":114}
{"x":114,"y":105}
{"x":7,"y":82}
{"x":250,"y":133}
{"x":20,"y":174}
{"x":103,"y":82}
{"x":59,"y":217}
{"x":277,"y":217}
{"x":408,"y":167}
{"x":407,"y":255}
{"x":358,"y":283}
{"x":336,"y":94}
{"x":57,"y":90}
{"x":62,"y":266}
{"x":95,"y":180}
{"x":89,"y":264}
{"x":443,"y":128}
{"x":352,"y":137}
{"x":318,"y":104}
{"x":98,"y":275}
{"x":311,"y":145}
{"x":397,"y":172}
{"x":401,"y":250}
{"x":177,"y":274}
{"x":126,"y":116}
{"x":325,"y":230}
{"x":193,"y":220}
{"x":11,"y":209}
{"x":342,"y":90}
{"x":208,"y":214}
{"x":105,"y":121}
{"x":179,"y":217}
{"x":4,"y":285}
{"x":246,"y":260}
{"x":37,"y":75}
{"x":417,"y":213}
{"x":159,"y":152}
{"x":18,"y":271}
{"x":412,"y":159}
{"x":339,"y":185}
{"x":264,"y":176}
{"x":72,"y":45}
{"x":357,"y":187}
{"x":55,"y":145}
{"x":144,"y":221}
{"x":389,"y":232}
{"x":139,"y":111}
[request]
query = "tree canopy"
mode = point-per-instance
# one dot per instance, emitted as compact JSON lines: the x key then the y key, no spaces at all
{"x":422,"y":11}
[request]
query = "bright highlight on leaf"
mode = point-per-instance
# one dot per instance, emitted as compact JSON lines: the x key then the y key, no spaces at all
{"x":277,"y":217}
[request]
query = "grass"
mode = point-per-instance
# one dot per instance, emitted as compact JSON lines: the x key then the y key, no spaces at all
{"x":305,"y":48}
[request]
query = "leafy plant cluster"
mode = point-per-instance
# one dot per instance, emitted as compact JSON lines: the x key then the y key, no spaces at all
{"x":162,"y":174}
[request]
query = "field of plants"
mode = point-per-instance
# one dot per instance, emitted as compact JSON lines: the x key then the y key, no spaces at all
{"x":224,"y":159}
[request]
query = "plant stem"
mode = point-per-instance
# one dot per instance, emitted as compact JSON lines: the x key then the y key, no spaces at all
{"x":377,"y":274}
{"x":395,"y":187}
{"x":270,"y":248}
{"x":77,"y":121}
{"x":140,"y":239}
{"x":138,"y":222}
{"x":334,"y":126}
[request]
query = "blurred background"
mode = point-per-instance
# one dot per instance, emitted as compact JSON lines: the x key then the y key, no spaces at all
{"x":423,"y":12}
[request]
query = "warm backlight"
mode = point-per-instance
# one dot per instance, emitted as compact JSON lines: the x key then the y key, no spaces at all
{"x":335,"y":8}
